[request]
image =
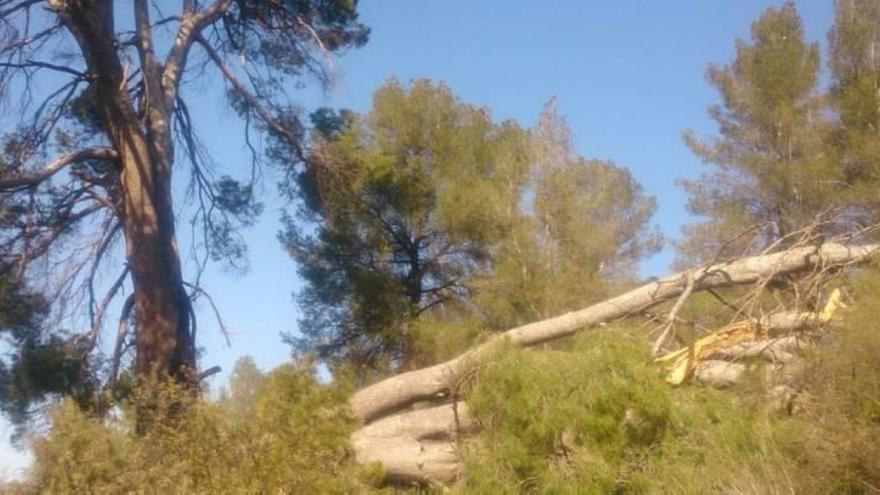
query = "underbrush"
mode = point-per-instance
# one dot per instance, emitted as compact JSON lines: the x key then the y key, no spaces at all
{"x":600,"y":419}
{"x":281,"y":432}
{"x":592,"y":415}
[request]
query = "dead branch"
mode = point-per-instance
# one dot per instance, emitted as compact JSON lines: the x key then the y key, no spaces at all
{"x":213,"y":370}
{"x":120,"y":340}
{"x":105,"y":303}
{"x":30,"y":179}
{"x":673,"y":313}
{"x":216,"y":310}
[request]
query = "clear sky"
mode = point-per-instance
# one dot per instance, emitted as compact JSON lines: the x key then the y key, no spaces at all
{"x":627,"y":74}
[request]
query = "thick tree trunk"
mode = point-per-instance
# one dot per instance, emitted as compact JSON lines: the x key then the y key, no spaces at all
{"x":165,"y":347}
{"x":420,"y":446}
{"x":164,"y":343}
{"x":415,"y":446}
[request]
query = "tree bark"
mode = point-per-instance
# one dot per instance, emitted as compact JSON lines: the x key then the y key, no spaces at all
{"x":419,"y":446}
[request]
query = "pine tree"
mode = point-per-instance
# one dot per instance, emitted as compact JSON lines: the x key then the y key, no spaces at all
{"x":91,"y":158}
{"x":578,"y":230}
{"x":854,"y":53}
{"x":400,"y":201}
{"x":771,"y":169}
{"x":428,"y":223}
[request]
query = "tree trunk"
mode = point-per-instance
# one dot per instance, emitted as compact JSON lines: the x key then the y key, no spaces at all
{"x":414,"y":446}
{"x":164,"y":342}
{"x":165,"y":347}
{"x":420,"y":446}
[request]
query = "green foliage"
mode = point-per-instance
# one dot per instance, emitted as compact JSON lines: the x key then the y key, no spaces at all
{"x":42,"y":363}
{"x":594,"y":418}
{"x":855,"y":67}
{"x":771,"y":166}
{"x":600,"y":419}
{"x":842,"y":413}
{"x":575,"y":231}
{"x":398,"y":198}
{"x":427,"y":214}
{"x":788,"y":151}
{"x":281,"y":432}
{"x":575,"y":422}
{"x":443,"y":335}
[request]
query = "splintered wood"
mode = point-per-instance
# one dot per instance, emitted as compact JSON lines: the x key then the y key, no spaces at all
{"x":681,"y":364}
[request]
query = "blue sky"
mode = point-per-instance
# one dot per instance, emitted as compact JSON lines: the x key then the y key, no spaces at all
{"x":628,"y":75}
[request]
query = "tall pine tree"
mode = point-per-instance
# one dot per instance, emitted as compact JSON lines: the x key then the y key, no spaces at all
{"x":771,"y":169}
{"x":854,"y":57}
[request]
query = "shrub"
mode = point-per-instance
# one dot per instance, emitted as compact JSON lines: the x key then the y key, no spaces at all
{"x":600,"y":419}
{"x":282,"y":432}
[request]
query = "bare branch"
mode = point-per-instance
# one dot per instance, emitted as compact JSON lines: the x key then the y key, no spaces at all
{"x":19,"y":6}
{"x":105,"y":303}
{"x":144,"y":43}
{"x":31,"y":179}
{"x":120,"y":339}
{"x":203,"y":292}
{"x":191,"y":26}
{"x":691,"y":280}
{"x":213,"y":370}
{"x":249,"y":97}
{"x":36,"y":64}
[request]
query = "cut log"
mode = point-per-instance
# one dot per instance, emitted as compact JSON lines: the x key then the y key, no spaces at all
{"x":437,"y":381}
{"x":719,"y":373}
{"x":418,"y":446}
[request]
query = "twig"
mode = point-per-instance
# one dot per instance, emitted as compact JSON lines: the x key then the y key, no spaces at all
{"x":203,"y":292}
{"x":691,"y":281}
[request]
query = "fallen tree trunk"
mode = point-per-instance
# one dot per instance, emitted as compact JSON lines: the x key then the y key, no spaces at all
{"x":421,"y":446}
{"x":436,"y":382}
{"x":418,"y":446}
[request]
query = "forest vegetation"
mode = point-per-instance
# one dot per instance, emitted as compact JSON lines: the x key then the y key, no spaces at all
{"x":473,"y":318}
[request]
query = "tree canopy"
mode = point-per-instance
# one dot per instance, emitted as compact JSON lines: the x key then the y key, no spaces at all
{"x":473,"y":316}
{"x":426,"y":211}
{"x":788,"y":151}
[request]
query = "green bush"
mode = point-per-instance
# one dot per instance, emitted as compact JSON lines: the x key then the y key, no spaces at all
{"x":600,"y":419}
{"x":841,"y":408}
{"x":282,"y":432}
{"x":558,"y":422}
